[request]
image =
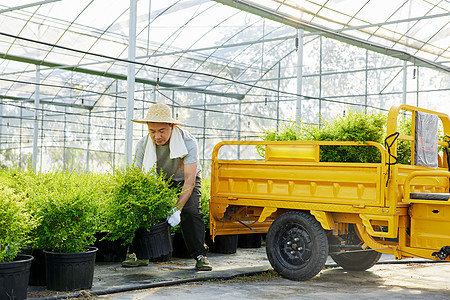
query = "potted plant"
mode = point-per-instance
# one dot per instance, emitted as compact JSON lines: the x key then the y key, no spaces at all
{"x":108,"y":251}
{"x":66,"y":209}
{"x":138,"y":210}
{"x":20,"y":181}
{"x":15,"y":223}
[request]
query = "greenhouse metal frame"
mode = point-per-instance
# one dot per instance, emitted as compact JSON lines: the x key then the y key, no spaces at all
{"x":73,"y":73}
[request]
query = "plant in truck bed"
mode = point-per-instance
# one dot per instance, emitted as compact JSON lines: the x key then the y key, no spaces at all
{"x":355,"y":126}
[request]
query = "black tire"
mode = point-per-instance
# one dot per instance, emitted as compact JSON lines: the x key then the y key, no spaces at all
{"x":296,"y":246}
{"x":357,"y":261}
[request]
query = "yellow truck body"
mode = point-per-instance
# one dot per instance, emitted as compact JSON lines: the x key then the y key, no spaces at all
{"x":381,"y":201}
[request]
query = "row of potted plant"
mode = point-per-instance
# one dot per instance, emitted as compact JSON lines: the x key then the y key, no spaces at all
{"x":61,"y":213}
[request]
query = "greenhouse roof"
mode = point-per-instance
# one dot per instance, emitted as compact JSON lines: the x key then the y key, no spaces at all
{"x":196,"y":45}
{"x":418,"y":31}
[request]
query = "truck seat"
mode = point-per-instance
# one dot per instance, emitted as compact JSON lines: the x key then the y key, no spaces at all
{"x":430,"y":196}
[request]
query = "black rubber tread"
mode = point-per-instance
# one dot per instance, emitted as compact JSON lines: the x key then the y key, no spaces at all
{"x":311,"y":260}
{"x":357,"y":261}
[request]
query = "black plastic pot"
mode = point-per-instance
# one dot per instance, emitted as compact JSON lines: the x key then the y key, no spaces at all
{"x":251,"y":240}
{"x":179,"y":247}
{"x":109,"y":251}
{"x":154,"y":244}
{"x":162,"y":258}
{"x":37,"y":271}
{"x":70,"y":271}
{"x":225,"y":244}
{"x":14,"y":277}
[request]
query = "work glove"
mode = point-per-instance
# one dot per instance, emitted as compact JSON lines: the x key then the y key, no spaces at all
{"x":175,"y":217}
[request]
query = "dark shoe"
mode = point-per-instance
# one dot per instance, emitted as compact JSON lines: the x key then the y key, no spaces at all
{"x":203,"y":264}
{"x":132,"y":261}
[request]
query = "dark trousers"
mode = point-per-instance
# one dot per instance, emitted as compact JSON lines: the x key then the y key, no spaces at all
{"x":192,"y":224}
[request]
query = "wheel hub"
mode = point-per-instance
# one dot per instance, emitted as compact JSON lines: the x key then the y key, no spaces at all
{"x":295,"y":246}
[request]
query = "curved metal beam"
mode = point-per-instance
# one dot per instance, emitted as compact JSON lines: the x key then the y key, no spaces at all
{"x":272,"y":15}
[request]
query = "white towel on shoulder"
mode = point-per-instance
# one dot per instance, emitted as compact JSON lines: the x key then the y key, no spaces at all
{"x":176,"y":146}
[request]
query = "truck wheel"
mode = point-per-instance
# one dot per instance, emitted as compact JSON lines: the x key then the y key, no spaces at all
{"x":357,"y":261}
{"x":296,"y":246}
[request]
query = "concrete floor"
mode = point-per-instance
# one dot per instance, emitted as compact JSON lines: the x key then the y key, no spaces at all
{"x":396,"y":281}
{"x":111,"y":277}
{"x":178,"y":279}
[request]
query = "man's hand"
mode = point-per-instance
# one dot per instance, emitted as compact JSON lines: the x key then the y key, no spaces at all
{"x":175,"y":217}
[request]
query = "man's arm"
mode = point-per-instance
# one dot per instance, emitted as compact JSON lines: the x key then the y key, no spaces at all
{"x":190,"y":173}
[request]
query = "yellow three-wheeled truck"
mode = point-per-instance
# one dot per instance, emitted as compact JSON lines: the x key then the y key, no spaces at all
{"x":351,"y":211}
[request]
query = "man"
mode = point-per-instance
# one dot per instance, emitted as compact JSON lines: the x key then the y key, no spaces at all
{"x":174,"y":151}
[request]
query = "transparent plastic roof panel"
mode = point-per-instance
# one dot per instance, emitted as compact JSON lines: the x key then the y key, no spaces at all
{"x":228,"y":68}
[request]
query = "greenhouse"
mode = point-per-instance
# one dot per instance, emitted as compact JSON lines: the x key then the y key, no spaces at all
{"x":74,"y":73}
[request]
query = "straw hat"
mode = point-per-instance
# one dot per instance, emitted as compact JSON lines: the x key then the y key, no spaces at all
{"x":159,"y":113}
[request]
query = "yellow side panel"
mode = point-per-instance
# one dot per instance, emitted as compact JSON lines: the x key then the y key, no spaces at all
{"x":344,"y":184}
{"x":430,"y":226}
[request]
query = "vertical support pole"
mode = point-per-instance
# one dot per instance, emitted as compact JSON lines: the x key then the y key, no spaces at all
{"x":204,"y":132}
{"x":144,"y":129}
{"x":64,"y":140}
{"x":20,"y":137}
{"x":405,"y":63}
{"x":115,"y":125}
{"x":417,"y":77}
{"x":366,"y":88}
{"x":239,"y":130}
{"x":298,"y":110}
{"x":1,"y":120}
{"x":88,"y":143}
{"x":173,"y":103}
{"x":36,"y":117}
{"x":278,"y":95}
{"x":42,"y":142}
{"x":320,"y":81}
{"x":130,"y":83}
{"x":148,"y":28}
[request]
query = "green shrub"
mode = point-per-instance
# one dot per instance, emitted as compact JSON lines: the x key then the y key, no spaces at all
{"x":16,"y":179}
{"x":140,"y":200}
{"x":103,"y":191}
{"x":355,"y":126}
{"x":404,"y":147}
{"x":206,"y":195}
{"x":15,"y":223}
{"x":290,"y":131}
{"x":66,"y":208}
